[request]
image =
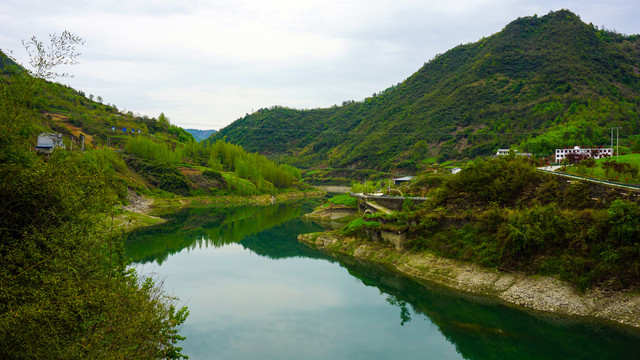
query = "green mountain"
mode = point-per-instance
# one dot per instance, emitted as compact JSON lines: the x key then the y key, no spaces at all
{"x":540,"y":83}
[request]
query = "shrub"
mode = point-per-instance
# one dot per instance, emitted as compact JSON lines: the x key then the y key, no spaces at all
{"x":344,"y":199}
{"x":161,"y":175}
{"x":357,"y":226}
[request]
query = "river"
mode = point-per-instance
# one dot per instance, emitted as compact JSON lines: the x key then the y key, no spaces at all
{"x":254,"y":292}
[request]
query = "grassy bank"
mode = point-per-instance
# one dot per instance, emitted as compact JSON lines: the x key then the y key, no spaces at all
{"x":161,"y":204}
{"x":622,"y":169}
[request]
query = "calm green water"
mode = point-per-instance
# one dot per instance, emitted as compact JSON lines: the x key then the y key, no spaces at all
{"x":254,"y":292}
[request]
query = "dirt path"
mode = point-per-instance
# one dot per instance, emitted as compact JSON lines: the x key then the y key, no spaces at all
{"x":74,"y":130}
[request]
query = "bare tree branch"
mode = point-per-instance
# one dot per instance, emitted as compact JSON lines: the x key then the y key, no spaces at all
{"x":61,"y":51}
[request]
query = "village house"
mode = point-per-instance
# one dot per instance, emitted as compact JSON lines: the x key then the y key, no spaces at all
{"x":47,"y":142}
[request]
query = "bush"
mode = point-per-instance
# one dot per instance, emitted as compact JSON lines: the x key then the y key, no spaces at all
{"x":357,"y":227}
{"x":624,"y":221}
{"x":161,"y":175}
{"x":213,"y":175}
{"x":502,"y":180}
{"x":344,"y":199}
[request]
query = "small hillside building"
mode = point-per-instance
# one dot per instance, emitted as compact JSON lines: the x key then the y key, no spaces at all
{"x":47,"y":142}
{"x":402,"y":180}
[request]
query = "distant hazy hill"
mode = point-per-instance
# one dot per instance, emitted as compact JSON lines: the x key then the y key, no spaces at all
{"x":540,"y":83}
{"x":200,"y":135}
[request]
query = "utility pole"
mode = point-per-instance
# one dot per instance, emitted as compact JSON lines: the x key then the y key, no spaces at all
{"x":611,"y":142}
{"x":617,"y":143}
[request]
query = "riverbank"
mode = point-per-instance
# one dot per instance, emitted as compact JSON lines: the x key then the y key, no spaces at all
{"x":534,"y":293}
{"x":147,"y":210}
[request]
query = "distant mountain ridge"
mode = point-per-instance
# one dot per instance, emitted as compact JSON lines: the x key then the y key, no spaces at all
{"x":540,"y":83}
{"x":200,"y":135}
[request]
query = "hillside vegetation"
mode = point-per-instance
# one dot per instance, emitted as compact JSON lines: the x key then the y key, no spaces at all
{"x":65,"y":289}
{"x":539,"y":84}
{"x":149,"y":153}
{"x":502,"y":213}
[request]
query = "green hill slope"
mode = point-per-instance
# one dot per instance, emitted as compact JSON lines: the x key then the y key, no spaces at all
{"x":147,"y":153}
{"x":540,"y":83}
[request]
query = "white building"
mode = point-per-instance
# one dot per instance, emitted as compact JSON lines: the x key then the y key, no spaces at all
{"x":505,"y":152}
{"x":47,"y":142}
{"x":595,"y":152}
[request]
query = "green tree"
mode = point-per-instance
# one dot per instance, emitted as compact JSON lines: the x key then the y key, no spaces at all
{"x":163,"y":121}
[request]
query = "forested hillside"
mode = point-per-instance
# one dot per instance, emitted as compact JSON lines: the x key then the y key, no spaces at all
{"x":504,"y":214}
{"x":540,"y":83}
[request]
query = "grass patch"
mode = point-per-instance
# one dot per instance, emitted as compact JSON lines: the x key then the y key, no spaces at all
{"x":344,"y":199}
{"x":626,"y":173}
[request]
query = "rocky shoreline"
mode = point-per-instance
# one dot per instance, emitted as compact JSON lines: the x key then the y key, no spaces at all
{"x":533,"y":293}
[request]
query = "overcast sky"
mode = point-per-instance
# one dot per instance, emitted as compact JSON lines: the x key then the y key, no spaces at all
{"x":206,"y":63}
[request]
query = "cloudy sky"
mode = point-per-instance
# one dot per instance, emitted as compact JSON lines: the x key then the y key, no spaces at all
{"x":205,"y":63}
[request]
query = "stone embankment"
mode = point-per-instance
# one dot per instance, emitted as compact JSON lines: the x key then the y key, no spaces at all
{"x":332,"y":212}
{"x":537,"y":293}
{"x":332,"y":216}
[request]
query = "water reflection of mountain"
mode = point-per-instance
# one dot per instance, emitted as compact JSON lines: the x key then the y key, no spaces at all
{"x":282,"y":241}
{"x":198,"y":227}
{"x":482,"y":329}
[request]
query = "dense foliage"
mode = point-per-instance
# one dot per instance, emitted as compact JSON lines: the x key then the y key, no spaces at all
{"x":539,"y":84}
{"x":503,"y":213}
{"x":343,"y":199}
{"x":65,"y":291}
{"x":151,"y":150}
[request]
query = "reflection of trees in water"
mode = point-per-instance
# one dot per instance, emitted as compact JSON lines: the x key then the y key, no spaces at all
{"x":478,"y":329}
{"x":483,"y":329}
{"x":405,"y":315}
{"x":203,"y":227}
{"x":281,"y":241}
